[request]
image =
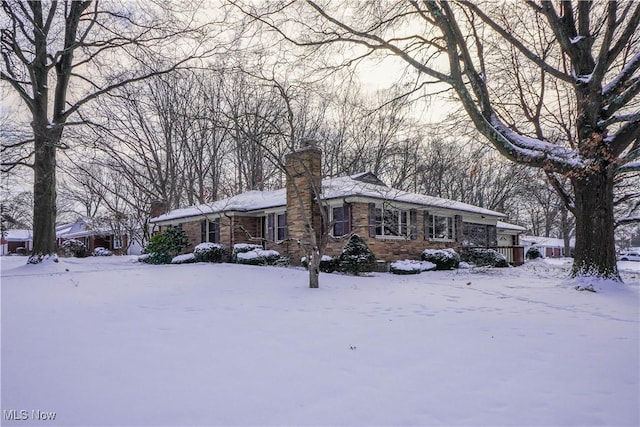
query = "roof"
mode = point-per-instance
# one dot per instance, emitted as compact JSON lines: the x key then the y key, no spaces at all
{"x":549,"y":242}
{"x":18,"y":235}
{"x":501,"y":225}
{"x":249,"y":201}
{"x":80,"y":228}
{"x":359,"y":185}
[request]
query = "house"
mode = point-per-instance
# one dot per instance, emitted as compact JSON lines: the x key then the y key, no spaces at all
{"x":16,"y":242}
{"x":91,"y":237}
{"x":395,"y":224}
{"x":549,"y":247}
{"x":509,"y":243}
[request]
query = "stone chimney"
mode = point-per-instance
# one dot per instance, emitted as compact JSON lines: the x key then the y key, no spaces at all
{"x":158,"y":207}
{"x":304,"y":185}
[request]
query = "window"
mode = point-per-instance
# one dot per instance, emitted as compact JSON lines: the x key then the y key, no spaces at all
{"x":282,"y":226}
{"x":277,"y":227}
{"x":391,"y":222}
{"x":475,"y":234}
{"x":438,"y":227}
{"x":210,"y":230}
{"x":117,"y":242}
{"x":341,"y":216}
{"x":214,"y":231}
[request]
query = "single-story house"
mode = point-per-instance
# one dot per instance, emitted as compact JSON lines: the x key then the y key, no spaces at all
{"x":91,"y":237}
{"x":395,"y":224}
{"x":549,"y":247}
{"x":16,"y":241}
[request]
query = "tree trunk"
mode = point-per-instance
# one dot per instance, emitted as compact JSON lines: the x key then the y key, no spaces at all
{"x":314,"y":269}
{"x":595,"y":246}
{"x":566,"y":230}
{"x":44,"y":196}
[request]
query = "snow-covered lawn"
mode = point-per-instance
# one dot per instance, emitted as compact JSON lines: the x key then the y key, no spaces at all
{"x":106,"y":341}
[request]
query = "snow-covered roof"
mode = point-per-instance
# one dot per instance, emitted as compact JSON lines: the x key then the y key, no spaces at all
{"x":249,"y":201}
{"x":501,"y":225}
{"x":360,"y":185}
{"x":348,"y":186}
{"x":80,"y":228}
{"x":18,"y":235}
{"x":549,"y":242}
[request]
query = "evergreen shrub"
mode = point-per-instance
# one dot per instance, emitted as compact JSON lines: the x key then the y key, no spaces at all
{"x":75,"y":248}
{"x":533,"y":253}
{"x":444,"y":259}
{"x":240,"y":248}
{"x":164,"y":246}
{"x":209,"y":252}
{"x":356,"y":257}
{"x":327,"y":264}
{"x":258,"y":257}
{"x":482,"y":257}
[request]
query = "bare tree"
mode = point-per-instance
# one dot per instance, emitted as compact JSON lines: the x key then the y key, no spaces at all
{"x":59,"y":56}
{"x":590,"y":49}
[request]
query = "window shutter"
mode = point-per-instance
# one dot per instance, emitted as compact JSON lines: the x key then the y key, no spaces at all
{"x":347,"y":215}
{"x":286,"y":226}
{"x":426,"y":225}
{"x":372,"y":220}
{"x":458,"y":229}
{"x":413,"y":224}
{"x":203,"y":231}
{"x":216,"y":231}
{"x":270,"y":231}
{"x":492,"y":236}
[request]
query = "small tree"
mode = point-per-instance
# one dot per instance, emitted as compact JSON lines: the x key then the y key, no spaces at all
{"x":164,"y":246}
{"x":356,"y":257}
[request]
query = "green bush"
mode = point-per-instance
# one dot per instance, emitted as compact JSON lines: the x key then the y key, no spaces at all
{"x":240,"y":248}
{"x":444,"y":259}
{"x":533,"y":253}
{"x":184,"y":259}
{"x":163,"y":247}
{"x":327,"y":264}
{"x":75,"y":248}
{"x":209,"y":252}
{"x":483,"y":257}
{"x":405,"y":267}
{"x":356,"y":257}
{"x":258,"y":257}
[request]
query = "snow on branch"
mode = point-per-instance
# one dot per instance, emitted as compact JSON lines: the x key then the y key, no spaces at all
{"x":536,"y":150}
{"x":628,"y":220}
{"x":624,"y":76}
{"x":630,"y":167}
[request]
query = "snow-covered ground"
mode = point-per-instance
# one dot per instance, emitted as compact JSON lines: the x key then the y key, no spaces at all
{"x":107,"y":341}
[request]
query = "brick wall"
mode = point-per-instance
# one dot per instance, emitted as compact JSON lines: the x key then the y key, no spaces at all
{"x":386,"y":249}
{"x":194,"y":234}
{"x":246,"y":230}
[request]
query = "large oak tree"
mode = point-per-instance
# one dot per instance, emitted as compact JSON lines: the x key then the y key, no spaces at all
{"x":60,"y":56}
{"x":589,"y":51}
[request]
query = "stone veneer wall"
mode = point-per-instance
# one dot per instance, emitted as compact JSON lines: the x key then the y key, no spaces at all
{"x":304,"y":173}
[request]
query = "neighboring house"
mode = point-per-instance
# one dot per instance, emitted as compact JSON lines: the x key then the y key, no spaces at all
{"x":549,"y":247}
{"x":509,"y":242}
{"x":16,"y":242}
{"x":92,"y":238}
{"x":395,"y":224}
